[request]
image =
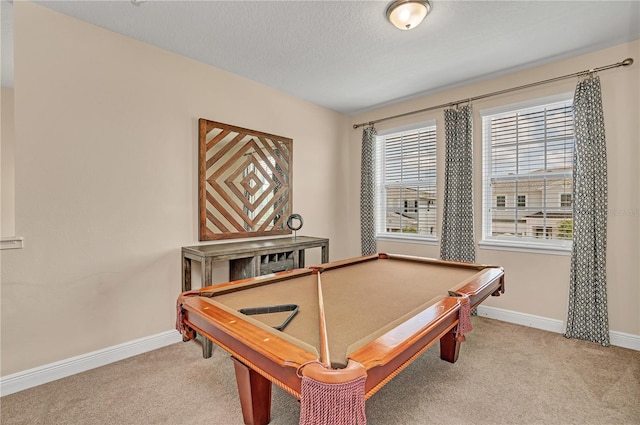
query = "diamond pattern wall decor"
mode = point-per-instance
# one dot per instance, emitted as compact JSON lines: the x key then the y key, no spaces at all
{"x":245,"y":182}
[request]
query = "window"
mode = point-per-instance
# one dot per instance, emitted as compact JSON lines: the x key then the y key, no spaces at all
{"x":528,"y":161}
{"x":406,"y":183}
{"x":411,"y":206}
{"x":522,"y":201}
{"x":542,"y":231}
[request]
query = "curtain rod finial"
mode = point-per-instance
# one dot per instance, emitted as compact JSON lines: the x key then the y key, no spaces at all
{"x":627,"y":62}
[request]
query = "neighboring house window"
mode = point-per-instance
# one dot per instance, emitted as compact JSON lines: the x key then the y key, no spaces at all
{"x":411,"y":206}
{"x":406,"y":182}
{"x":542,"y":231}
{"x":522,"y":201}
{"x":528,"y":159}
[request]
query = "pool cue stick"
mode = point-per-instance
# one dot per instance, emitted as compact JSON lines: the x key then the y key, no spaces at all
{"x":324,"y":340}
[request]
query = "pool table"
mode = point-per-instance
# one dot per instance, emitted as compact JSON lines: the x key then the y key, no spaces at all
{"x":381,"y":311}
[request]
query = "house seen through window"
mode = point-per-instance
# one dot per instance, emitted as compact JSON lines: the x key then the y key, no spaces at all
{"x":522,"y":201}
{"x":528,"y":164}
{"x":406,"y":182}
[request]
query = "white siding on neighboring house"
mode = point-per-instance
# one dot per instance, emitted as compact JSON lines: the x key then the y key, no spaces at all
{"x":410,"y":211}
{"x":543,"y":214}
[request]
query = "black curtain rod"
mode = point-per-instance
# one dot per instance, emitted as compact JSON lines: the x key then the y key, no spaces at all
{"x":626,"y":62}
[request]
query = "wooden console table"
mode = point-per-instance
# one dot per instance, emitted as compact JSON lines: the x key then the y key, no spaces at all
{"x":248,"y":259}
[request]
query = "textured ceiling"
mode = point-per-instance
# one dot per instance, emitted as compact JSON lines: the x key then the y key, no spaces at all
{"x":345,"y":56}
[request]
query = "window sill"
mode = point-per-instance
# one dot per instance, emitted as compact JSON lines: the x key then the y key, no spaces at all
{"x":12,"y":242}
{"x":528,"y":247}
{"x":424,"y":240}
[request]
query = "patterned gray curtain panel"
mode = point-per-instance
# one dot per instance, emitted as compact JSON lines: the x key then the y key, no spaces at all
{"x":367,"y":187}
{"x":588,"y":317}
{"x":457,"y":241}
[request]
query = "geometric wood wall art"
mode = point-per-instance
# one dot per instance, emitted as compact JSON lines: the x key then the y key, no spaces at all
{"x":245,"y":182}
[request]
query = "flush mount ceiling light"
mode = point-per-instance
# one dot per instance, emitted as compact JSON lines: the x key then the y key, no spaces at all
{"x":407,"y":14}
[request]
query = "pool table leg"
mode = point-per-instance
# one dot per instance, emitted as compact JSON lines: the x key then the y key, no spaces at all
{"x":449,"y":347}
{"x":207,"y":347}
{"x":255,"y":394}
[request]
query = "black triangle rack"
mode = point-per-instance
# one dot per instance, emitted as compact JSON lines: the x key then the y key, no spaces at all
{"x":293,"y":308}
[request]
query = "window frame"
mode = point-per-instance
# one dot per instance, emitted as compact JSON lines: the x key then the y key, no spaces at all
{"x":380,"y":204}
{"x":514,"y":243}
{"x":564,"y":200}
{"x":413,"y":208}
{"x":521,"y":201}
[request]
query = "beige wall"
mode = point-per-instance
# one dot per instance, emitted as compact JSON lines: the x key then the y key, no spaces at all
{"x":7,"y":203}
{"x":106,"y":182}
{"x":537,"y":284}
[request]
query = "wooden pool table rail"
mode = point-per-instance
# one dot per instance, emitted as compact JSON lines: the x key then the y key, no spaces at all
{"x":262,"y":356}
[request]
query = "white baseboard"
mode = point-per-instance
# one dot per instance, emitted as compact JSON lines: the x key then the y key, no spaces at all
{"x":551,"y":325}
{"x":625,"y":340}
{"x":41,"y":375}
{"x":619,"y":339}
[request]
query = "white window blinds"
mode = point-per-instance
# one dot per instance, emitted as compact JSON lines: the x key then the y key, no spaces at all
{"x":527,"y":174}
{"x":406,"y":183}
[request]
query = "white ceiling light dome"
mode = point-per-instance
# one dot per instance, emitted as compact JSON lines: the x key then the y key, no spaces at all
{"x":407,"y":14}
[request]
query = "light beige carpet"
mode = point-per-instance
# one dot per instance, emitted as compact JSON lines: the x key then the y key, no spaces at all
{"x":506,"y":374}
